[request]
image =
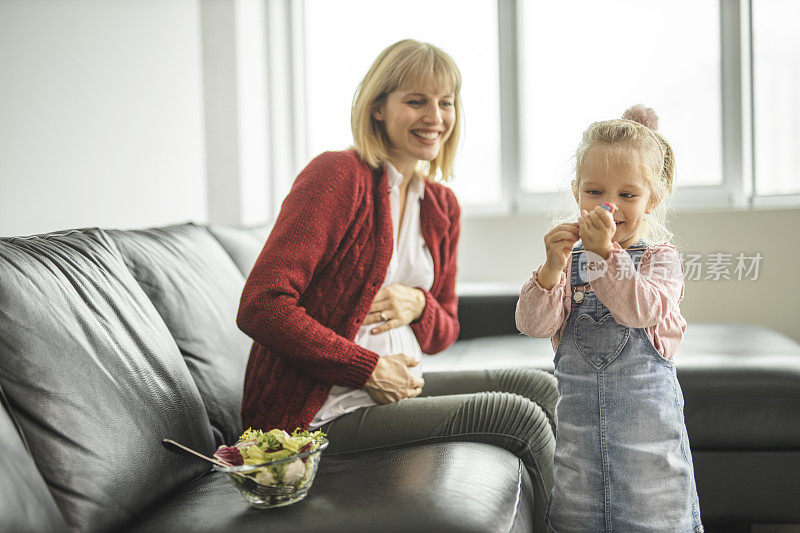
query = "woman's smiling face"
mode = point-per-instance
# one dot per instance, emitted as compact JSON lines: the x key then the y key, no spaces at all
{"x":418,"y":121}
{"x":614,"y":175}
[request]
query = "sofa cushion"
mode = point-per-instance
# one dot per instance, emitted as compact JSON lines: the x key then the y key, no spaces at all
{"x":195,"y":287}
{"x":741,"y":382}
{"x":25,"y":502}
{"x":242,"y":244}
{"x":94,"y":378}
{"x":445,"y":487}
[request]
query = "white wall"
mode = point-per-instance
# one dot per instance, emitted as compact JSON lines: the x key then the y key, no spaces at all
{"x":101,"y":114}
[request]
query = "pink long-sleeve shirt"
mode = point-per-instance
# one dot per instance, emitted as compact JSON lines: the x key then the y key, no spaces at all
{"x":648,"y":298}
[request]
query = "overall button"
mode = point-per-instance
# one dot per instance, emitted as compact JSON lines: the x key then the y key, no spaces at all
{"x":578,"y":296}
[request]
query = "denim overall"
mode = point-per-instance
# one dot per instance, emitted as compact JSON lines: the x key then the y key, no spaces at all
{"x":622,"y":460}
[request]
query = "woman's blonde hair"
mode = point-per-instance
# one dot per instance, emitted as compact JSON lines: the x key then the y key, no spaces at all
{"x":404,"y":64}
{"x":637,"y":130}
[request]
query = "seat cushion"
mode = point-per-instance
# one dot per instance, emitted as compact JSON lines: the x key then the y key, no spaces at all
{"x":196,"y":287}
{"x":94,"y":379}
{"x":741,"y":382}
{"x":445,"y":487}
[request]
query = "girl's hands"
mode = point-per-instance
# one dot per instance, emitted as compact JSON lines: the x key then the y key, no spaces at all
{"x":558,"y":243}
{"x":391,"y":380}
{"x":596,"y":229}
{"x":395,"y":306}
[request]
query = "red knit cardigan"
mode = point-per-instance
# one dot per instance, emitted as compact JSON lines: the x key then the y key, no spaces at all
{"x":314,"y":281}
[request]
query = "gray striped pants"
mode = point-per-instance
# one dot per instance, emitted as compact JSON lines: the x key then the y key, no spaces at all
{"x":510,"y":408}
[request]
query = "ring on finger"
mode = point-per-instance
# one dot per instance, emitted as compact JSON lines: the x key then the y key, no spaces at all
{"x":383,"y":316}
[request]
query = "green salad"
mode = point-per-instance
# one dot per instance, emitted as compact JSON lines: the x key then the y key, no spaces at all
{"x":256,"y":447}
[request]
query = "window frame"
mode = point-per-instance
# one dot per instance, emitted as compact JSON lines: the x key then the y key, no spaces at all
{"x":737,"y":190}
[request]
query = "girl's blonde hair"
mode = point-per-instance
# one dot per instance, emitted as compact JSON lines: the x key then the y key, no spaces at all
{"x":404,"y":64}
{"x":636,"y":130}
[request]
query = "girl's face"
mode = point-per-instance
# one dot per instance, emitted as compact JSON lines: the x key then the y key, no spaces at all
{"x":418,"y":121}
{"x":614,"y":176}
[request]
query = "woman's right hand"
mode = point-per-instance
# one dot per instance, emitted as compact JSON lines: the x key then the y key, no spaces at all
{"x":558,"y":243}
{"x":391,"y":380}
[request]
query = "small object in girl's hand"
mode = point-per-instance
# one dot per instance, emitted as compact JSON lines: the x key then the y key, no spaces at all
{"x":608,"y":207}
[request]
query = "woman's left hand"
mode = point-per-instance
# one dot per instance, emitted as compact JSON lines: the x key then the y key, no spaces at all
{"x":395,"y":306}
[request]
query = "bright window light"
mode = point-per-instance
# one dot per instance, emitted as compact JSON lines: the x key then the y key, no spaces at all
{"x":585,"y":60}
{"x":776,"y":92}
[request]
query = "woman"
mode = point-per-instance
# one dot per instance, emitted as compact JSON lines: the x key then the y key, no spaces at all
{"x":357,"y":280}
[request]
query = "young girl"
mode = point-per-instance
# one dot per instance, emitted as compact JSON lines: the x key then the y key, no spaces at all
{"x":610,"y":306}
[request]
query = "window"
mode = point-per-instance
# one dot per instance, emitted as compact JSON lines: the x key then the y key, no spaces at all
{"x":776,"y":95}
{"x":344,"y":37}
{"x":537,"y":72}
{"x":584,"y":61}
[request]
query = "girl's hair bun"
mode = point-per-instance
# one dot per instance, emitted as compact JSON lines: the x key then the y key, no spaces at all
{"x":643,"y":115}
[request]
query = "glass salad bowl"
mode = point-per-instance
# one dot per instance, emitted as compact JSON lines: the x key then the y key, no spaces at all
{"x":283,"y":479}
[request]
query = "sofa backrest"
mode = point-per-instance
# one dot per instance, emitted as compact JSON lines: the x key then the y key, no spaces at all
{"x":242,"y":244}
{"x":195,"y":287}
{"x":94,"y":379}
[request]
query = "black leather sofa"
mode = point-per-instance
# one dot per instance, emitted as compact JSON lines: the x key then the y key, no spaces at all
{"x":112,"y":340}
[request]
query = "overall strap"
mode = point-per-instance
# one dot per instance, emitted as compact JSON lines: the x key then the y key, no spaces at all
{"x":577,"y":278}
{"x":579,"y":275}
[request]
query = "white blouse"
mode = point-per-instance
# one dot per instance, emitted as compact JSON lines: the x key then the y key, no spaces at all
{"x":411,"y":265}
